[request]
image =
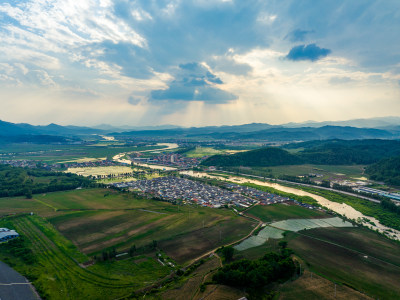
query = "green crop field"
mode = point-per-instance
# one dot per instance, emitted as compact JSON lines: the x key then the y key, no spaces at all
{"x":97,"y":219}
{"x":57,"y":272}
{"x":277,"y":212}
{"x":357,"y":257}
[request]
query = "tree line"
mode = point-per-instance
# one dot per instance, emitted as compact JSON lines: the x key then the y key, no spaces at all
{"x":17,"y":181}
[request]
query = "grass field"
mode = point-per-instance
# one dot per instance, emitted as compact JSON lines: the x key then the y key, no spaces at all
{"x":188,"y":288}
{"x":278,"y":212}
{"x":311,"y":286}
{"x":360,"y":258}
{"x":57,"y":273}
{"x":203,"y":151}
{"x":328,"y":172}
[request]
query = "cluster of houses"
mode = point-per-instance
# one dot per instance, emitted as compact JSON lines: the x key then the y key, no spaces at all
{"x":22,"y":163}
{"x":264,"y":198}
{"x":177,"y":189}
{"x":189,"y":191}
{"x":97,"y":163}
{"x":7,"y":234}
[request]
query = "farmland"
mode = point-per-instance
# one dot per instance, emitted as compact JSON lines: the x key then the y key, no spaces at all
{"x":357,"y":257}
{"x":97,"y":219}
{"x":312,"y":286}
{"x":277,"y":212}
{"x":202,"y":151}
{"x":64,"y":276}
{"x":67,"y":153}
{"x":100,"y":171}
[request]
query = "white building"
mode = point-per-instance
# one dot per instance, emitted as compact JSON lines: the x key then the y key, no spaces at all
{"x":7,"y":234}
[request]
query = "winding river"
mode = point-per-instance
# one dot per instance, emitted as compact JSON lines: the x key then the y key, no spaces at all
{"x":340,"y":208}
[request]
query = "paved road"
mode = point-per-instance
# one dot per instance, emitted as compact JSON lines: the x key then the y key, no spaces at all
{"x":13,"y":286}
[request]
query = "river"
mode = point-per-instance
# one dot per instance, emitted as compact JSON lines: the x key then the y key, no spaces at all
{"x":340,"y":208}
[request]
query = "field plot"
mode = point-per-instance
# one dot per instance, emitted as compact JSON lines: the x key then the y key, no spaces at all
{"x":189,"y":289}
{"x":193,"y":243}
{"x":358,"y":257}
{"x":57,"y":274}
{"x":100,"y":171}
{"x":277,"y":212}
{"x":276,"y":230}
{"x":16,"y":205}
{"x":311,"y":286}
{"x":328,"y":172}
{"x":97,"y":219}
{"x":91,"y":199}
{"x":301,"y":224}
{"x":203,"y":151}
{"x":263,"y":236}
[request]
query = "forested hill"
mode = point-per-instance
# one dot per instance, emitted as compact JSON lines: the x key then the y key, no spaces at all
{"x":387,"y":170}
{"x":259,"y":157}
{"x":333,"y":152}
{"x":20,"y":181}
{"x":339,"y":152}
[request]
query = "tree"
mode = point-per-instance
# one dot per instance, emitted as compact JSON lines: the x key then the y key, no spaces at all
{"x":132,"y":250}
{"x":154,"y":244}
{"x":282,"y":244}
{"x":28,"y":194}
{"x":227,"y":253}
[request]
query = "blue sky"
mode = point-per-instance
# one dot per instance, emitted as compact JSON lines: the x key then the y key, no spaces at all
{"x":200,"y":62}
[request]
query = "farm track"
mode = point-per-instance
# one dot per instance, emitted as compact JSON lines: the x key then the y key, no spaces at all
{"x":65,"y":267}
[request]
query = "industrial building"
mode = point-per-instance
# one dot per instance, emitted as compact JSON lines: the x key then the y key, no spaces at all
{"x":7,"y":234}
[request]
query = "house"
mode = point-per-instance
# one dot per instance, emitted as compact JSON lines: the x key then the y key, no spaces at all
{"x":7,"y":234}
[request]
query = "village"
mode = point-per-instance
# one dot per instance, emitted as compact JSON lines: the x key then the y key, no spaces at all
{"x":177,"y":189}
{"x":168,"y":159}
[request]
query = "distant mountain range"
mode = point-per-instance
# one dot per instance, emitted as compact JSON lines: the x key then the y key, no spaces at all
{"x":12,"y":129}
{"x":273,"y":134}
{"x":382,"y":122}
{"x":376,"y":128}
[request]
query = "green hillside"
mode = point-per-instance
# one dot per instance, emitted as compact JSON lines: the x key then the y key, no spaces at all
{"x":387,"y":170}
{"x":260,"y":157}
{"x":333,"y":152}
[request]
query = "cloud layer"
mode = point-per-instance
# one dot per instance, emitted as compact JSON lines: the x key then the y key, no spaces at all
{"x":194,"y":82}
{"x":197,"y":62}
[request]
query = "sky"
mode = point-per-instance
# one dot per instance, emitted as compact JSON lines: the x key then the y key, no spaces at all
{"x":198,"y":62}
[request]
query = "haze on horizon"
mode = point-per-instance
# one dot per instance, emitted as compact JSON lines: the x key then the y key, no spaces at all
{"x":199,"y":62}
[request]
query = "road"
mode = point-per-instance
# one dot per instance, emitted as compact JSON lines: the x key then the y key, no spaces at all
{"x":13,"y":286}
